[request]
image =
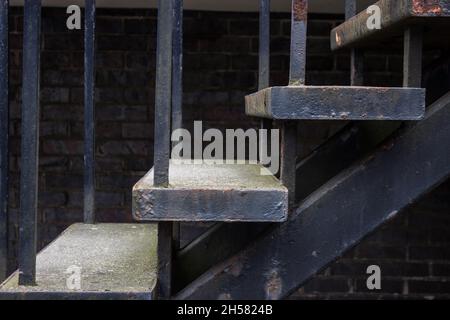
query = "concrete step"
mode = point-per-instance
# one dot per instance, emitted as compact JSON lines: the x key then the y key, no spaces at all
{"x":114,"y":261}
{"x":212,"y":192}
{"x":336,"y":103}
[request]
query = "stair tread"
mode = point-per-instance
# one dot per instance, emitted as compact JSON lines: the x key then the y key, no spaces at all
{"x":395,"y":15}
{"x":337,"y":103}
{"x":212,"y":192}
{"x":114,"y":258}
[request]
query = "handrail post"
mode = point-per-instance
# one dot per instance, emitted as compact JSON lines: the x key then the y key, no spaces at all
{"x":89,"y":112}
{"x":30,"y":142}
{"x":177,"y":88}
{"x":4,"y":137}
{"x":264,"y":66}
{"x":297,"y":77}
{"x":163,"y":104}
{"x":356,"y":55}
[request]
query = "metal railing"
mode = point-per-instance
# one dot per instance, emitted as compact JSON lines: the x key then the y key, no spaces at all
{"x":4,"y":137}
{"x":30,"y":134}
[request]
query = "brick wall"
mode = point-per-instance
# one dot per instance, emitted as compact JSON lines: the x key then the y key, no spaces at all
{"x":220,"y":68}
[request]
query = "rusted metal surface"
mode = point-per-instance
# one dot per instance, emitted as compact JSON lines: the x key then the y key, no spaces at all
{"x":207,"y":192}
{"x":300,"y":10}
{"x":299,"y":25}
{"x":115,"y":261}
{"x":434,"y":7}
{"x":337,"y":216}
{"x":337,"y":103}
{"x":395,"y":14}
{"x":352,"y":142}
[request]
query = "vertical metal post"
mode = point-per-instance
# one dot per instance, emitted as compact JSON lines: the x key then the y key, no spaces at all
{"x":264,"y":44}
{"x":264,"y":62}
{"x":299,"y":25}
{"x":177,"y":87}
{"x":89,"y":112}
{"x":297,"y":75}
{"x":30,"y":142}
{"x":163,"y":103}
{"x":165,"y":234}
{"x":177,"y":68}
{"x":356,"y":55}
{"x":412,"y":60}
{"x":4,"y":137}
{"x":163,"y":100}
{"x":289,"y":157}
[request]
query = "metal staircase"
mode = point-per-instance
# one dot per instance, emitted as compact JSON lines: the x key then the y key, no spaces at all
{"x":89,"y":260}
{"x":274,"y":243}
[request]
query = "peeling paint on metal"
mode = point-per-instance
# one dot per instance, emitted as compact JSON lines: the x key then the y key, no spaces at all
{"x":274,"y":285}
{"x":300,"y":10}
{"x":427,"y":6}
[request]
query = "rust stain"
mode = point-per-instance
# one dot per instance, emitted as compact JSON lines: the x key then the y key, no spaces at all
{"x":273,"y":285}
{"x":427,"y":6}
{"x":300,"y":10}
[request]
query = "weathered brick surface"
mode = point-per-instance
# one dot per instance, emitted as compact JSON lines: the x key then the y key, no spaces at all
{"x":221,"y":62}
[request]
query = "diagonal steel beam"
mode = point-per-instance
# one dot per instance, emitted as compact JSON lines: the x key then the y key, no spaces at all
{"x":337,"y":216}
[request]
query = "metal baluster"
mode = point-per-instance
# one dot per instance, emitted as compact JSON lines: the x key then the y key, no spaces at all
{"x":163,"y":102}
{"x":89,"y":112}
{"x":299,"y":24}
{"x":356,"y":55}
{"x":163,"y":93}
{"x":177,"y":68}
{"x":4,"y":137}
{"x":297,"y":74}
{"x":177,"y":88}
{"x":264,"y":62}
{"x":264,"y":44}
{"x":30,"y":142}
